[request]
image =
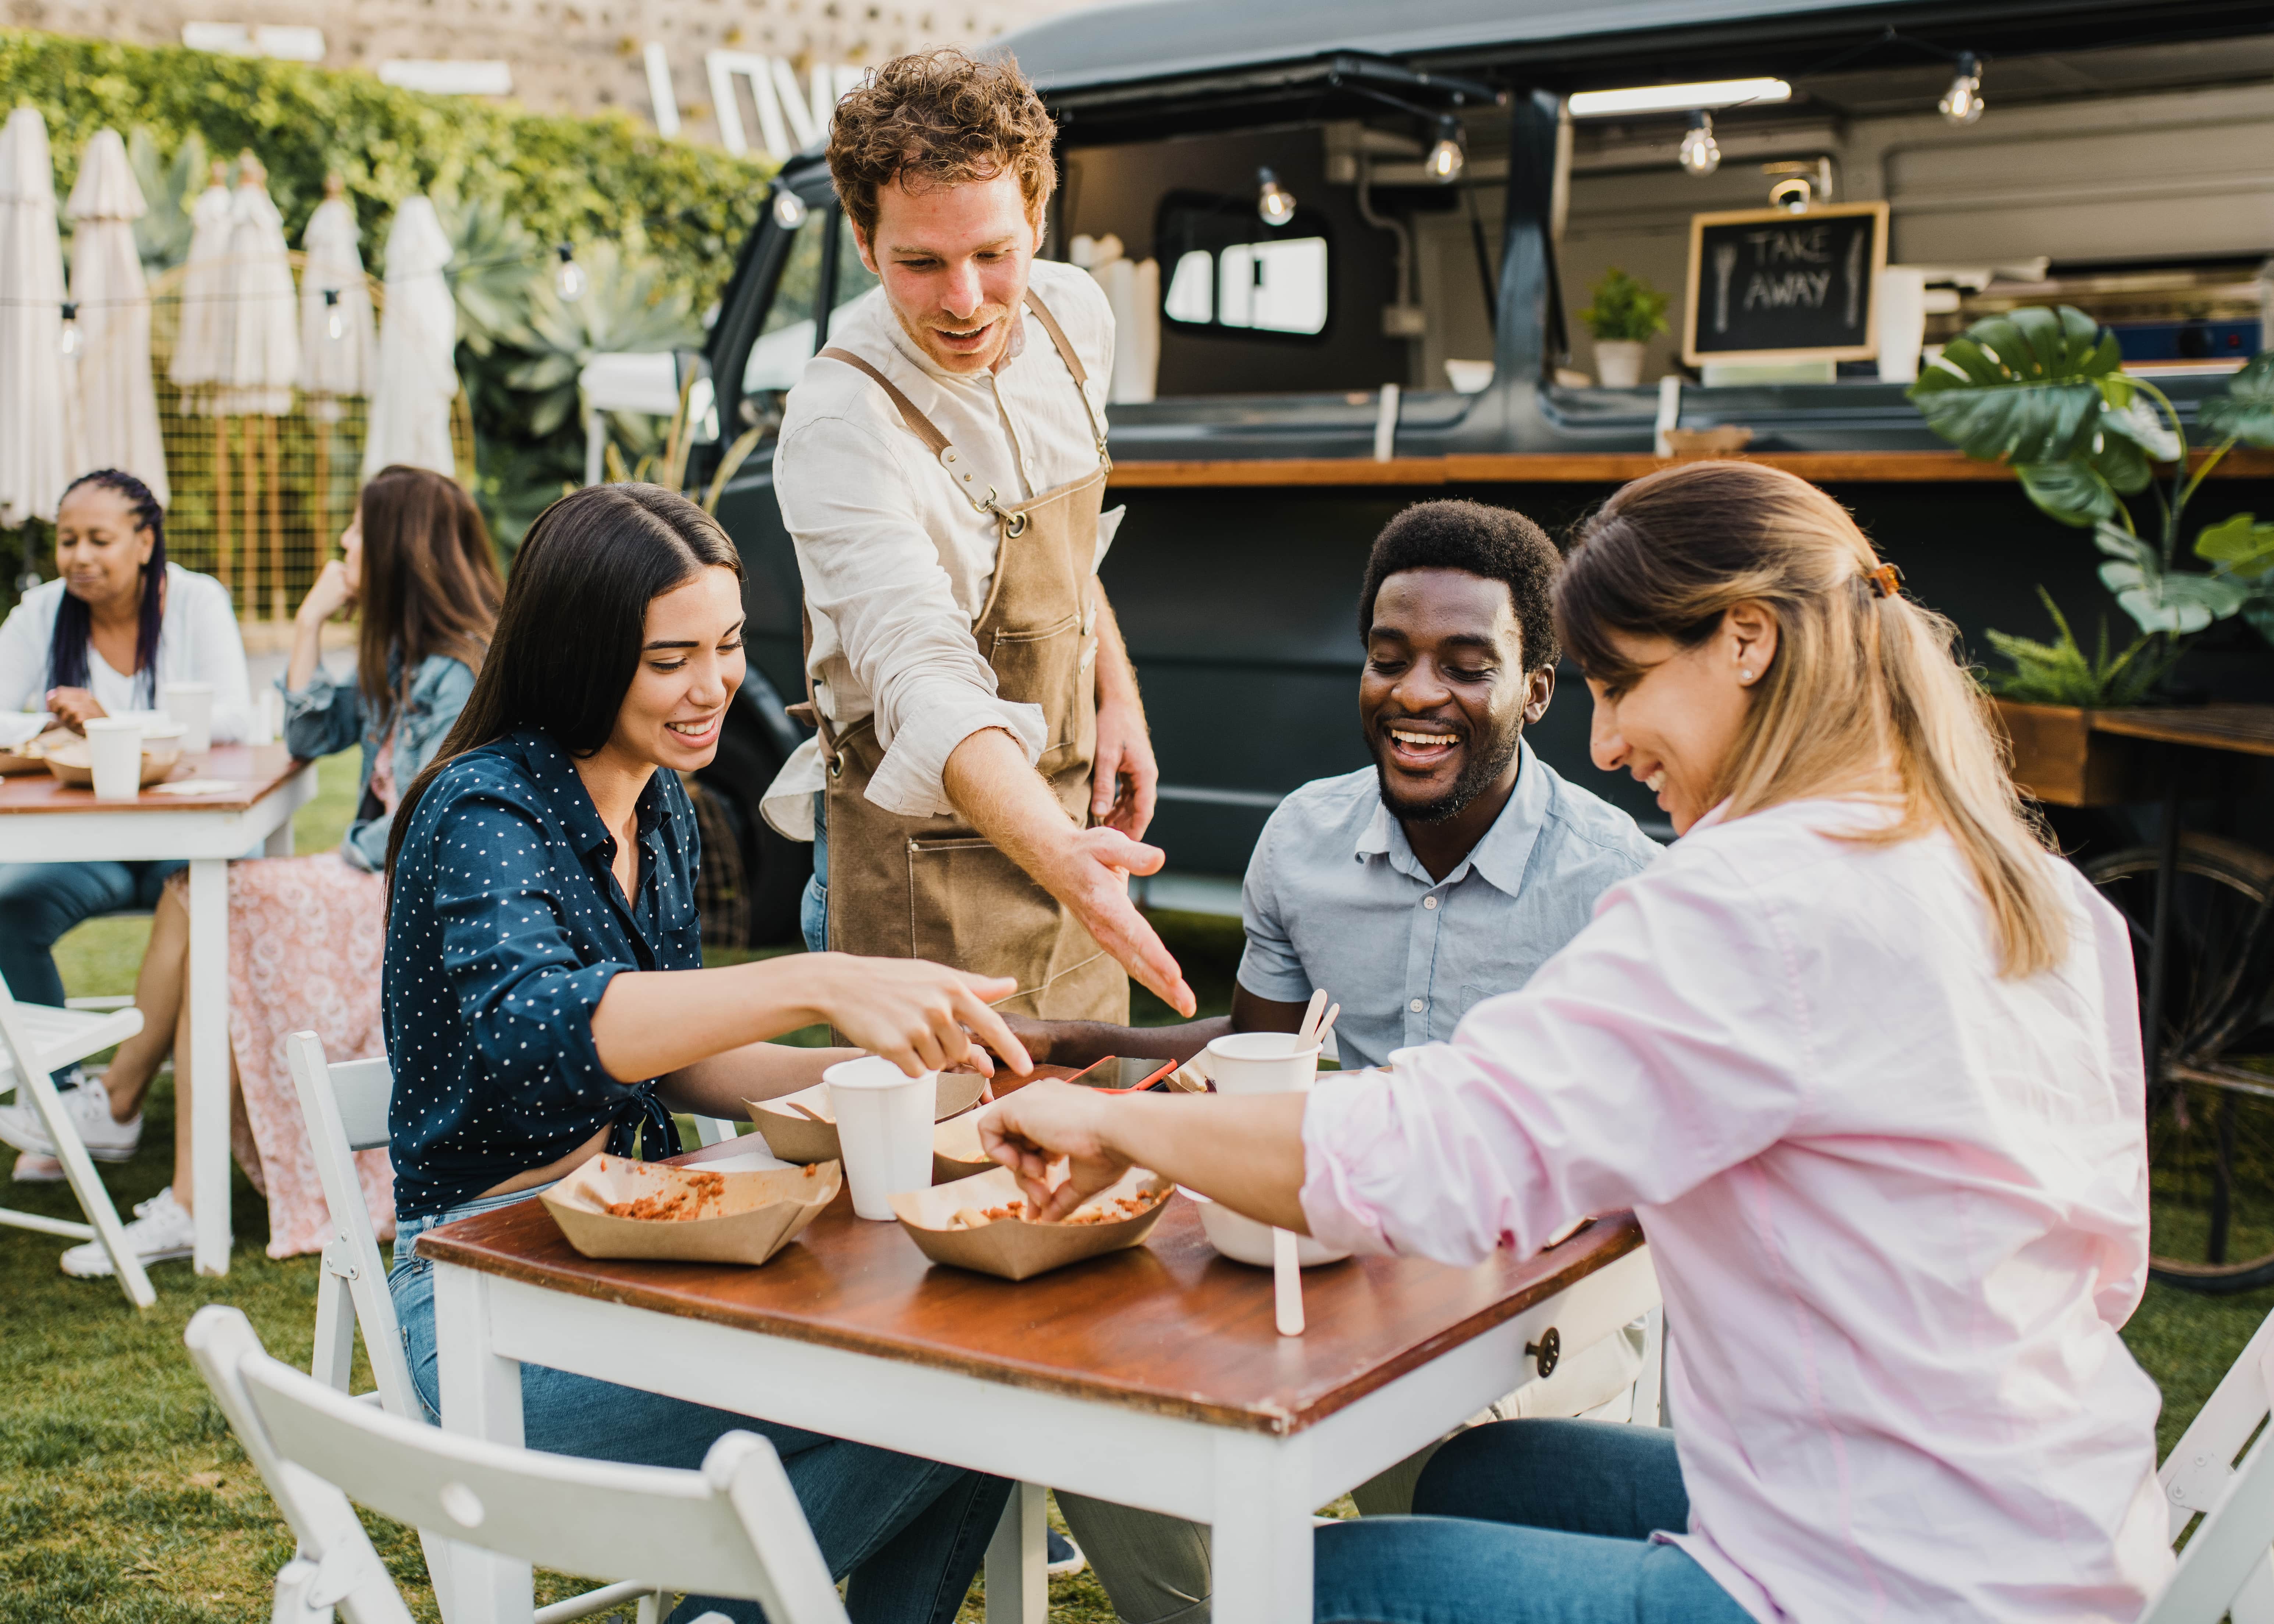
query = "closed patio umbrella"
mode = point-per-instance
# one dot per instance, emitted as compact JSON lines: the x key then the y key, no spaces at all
{"x":260,"y":361}
{"x":118,"y":404}
{"x":196,"y":365}
{"x":337,"y":337}
{"x":41,"y":450}
{"x":417,"y":335}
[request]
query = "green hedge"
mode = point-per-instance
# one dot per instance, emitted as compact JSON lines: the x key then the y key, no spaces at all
{"x":566,"y":179}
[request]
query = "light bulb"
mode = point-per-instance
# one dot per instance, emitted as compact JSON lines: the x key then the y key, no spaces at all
{"x":1701,"y":154}
{"x":1961,"y":103}
{"x":1446,"y":159}
{"x":335,"y":321}
{"x":789,"y":209}
{"x":69,"y":342}
{"x":1274,"y":203}
{"x":569,"y":279}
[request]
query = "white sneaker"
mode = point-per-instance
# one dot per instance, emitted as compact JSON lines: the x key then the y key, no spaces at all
{"x":31,"y":1169}
{"x":87,"y":1109}
{"x":160,"y":1233}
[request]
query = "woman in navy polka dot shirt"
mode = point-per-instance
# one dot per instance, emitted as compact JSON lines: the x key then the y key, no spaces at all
{"x":545,"y":999}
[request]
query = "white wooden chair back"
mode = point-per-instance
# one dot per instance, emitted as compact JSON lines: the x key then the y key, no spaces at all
{"x":2222,"y":1470}
{"x":732,"y":1528}
{"x":35,"y":1040}
{"x":345,"y":1108}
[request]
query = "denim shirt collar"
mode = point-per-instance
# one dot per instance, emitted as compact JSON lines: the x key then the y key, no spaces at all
{"x":1500,"y":857}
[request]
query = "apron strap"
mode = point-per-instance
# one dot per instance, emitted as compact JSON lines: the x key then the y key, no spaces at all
{"x":809,"y":712}
{"x":922,"y":427}
{"x":1073,"y":365}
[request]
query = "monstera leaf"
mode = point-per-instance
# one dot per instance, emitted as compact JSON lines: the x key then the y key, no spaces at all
{"x":2161,"y":600}
{"x":2246,"y":411}
{"x":2240,"y":546}
{"x":2031,"y":387}
{"x":2082,"y":490}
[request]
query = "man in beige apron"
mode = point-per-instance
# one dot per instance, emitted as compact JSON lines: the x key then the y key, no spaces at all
{"x":980,"y":774}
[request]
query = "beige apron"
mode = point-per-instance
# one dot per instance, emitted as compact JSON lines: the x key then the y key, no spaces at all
{"x":932,"y":887}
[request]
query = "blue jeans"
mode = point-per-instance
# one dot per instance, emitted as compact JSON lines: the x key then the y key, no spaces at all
{"x":1528,"y":1522}
{"x":39,"y":902}
{"x":910,"y":1532}
{"x":813,"y":907}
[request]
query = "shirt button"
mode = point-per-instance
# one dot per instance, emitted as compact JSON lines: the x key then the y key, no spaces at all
{"x":1429,"y":902}
{"x":1417,"y":1006}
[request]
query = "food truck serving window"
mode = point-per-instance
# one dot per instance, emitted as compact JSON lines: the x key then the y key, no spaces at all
{"x":1228,"y":270}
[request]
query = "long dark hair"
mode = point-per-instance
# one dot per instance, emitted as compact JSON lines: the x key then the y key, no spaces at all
{"x":429,"y":577}
{"x":67,"y":656}
{"x":568,"y":641}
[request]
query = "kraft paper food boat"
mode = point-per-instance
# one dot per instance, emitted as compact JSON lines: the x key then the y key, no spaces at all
{"x":73,"y":763}
{"x":1012,"y":1248}
{"x":752,"y":1216}
{"x":795,"y":1137}
{"x":24,"y":741}
{"x":956,"y":1152}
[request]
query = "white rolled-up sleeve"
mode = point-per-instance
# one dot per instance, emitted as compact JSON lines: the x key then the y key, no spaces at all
{"x":1665,"y":1044}
{"x":871,"y":566}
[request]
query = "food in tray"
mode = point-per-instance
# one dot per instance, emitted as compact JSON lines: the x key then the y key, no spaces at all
{"x":1104,"y":1210}
{"x":683,"y":1198}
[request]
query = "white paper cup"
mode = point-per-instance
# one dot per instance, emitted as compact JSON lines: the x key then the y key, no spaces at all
{"x":191,"y":705}
{"x":884,"y":1130}
{"x":114,"y":743}
{"x":1262,"y":1063}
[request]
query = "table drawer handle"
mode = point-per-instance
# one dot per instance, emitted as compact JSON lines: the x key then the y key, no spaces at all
{"x":1545,"y":1352}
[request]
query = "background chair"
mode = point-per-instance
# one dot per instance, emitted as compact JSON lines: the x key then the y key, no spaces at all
{"x":2227,"y":1569}
{"x":35,"y":1041}
{"x":345,"y":1108}
{"x":732,"y":1528}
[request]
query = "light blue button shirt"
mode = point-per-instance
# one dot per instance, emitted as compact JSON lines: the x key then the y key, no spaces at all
{"x":1336,"y":899}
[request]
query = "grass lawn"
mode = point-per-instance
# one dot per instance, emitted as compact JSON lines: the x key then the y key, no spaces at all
{"x":123,"y":1497}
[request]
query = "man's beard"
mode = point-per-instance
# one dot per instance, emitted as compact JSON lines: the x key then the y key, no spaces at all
{"x":1478,"y":777}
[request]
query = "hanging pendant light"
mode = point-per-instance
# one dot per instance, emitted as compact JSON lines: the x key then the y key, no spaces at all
{"x":1274,"y":203}
{"x":569,"y":278}
{"x":1449,"y":155}
{"x":68,"y":340}
{"x":335,"y":324}
{"x":1701,"y":154}
{"x":1961,"y":103}
{"x":789,"y":209}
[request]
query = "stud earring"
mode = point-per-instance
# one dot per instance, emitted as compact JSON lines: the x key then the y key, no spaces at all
{"x":1744,"y":676}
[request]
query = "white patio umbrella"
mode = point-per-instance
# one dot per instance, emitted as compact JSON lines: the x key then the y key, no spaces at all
{"x":117,"y":403}
{"x":418,"y":334}
{"x":337,"y":340}
{"x":41,"y":450}
{"x":196,"y":365}
{"x":260,"y":354}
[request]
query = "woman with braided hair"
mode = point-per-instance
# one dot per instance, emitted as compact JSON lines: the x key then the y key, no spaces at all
{"x":116,"y":625}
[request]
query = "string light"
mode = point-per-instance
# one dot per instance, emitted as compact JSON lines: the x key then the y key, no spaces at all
{"x":1961,"y":103}
{"x":1447,"y":158}
{"x":569,"y":278}
{"x":68,"y":342}
{"x":335,"y":321}
{"x":1701,"y":154}
{"x":1274,"y":203}
{"x":789,"y":209}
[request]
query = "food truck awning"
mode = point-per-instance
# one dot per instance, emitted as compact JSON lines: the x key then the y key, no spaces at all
{"x":1138,"y":41}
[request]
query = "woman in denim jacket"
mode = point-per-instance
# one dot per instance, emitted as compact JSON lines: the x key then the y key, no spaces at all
{"x":306,"y":932}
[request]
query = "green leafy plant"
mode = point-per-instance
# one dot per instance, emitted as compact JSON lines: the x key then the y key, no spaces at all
{"x":2060,"y":673}
{"x":1625,"y":308}
{"x":627,"y":306}
{"x":2044,"y":391}
{"x":170,"y":187}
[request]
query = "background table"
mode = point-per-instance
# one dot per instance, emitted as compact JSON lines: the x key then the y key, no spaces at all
{"x":42,"y":821}
{"x":1152,"y":1377}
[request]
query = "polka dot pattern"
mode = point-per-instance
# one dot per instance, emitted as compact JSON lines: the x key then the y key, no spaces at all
{"x":504,"y":928}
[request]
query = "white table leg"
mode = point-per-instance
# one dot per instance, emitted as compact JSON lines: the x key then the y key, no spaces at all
{"x":279,"y":843}
{"x":481,"y":1398}
{"x":209,"y":1060}
{"x":1018,"y":1586}
{"x":1259,"y":1544}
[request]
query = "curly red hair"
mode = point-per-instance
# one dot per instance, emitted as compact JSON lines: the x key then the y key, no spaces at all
{"x":940,"y":118}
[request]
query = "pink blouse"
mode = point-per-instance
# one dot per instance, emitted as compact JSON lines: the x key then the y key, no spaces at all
{"x":1898,"y":1207}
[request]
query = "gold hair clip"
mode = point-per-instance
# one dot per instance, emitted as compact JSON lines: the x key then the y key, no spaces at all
{"x":1886,"y":580}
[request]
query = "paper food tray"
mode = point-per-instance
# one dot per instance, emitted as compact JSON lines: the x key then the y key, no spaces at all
{"x":795,"y":1138}
{"x":754,"y":1216}
{"x":1012,"y":1248}
{"x":955,"y":1150}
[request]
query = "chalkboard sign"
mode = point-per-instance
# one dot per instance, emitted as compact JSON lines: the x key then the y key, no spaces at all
{"x":1771,"y":285}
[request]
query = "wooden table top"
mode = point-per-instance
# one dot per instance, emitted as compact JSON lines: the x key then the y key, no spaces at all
{"x":1170,"y":1327}
{"x":2245,"y":729}
{"x":261,"y":768}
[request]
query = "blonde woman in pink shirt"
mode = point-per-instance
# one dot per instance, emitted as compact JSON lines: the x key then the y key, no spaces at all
{"x":1865,"y":1059}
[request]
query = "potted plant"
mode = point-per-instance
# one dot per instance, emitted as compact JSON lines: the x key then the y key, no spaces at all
{"x":1626,"y":313}
{"x":2045,"y":392}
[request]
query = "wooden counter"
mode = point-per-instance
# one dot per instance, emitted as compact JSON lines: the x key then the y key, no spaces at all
{"x":1605,"y":468}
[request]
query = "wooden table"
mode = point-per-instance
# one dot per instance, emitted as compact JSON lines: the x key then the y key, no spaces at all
{"x":1151,"y":1377}
{"x":42,"y":821}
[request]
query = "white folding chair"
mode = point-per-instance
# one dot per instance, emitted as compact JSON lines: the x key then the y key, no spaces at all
{"x":2222,"y":1472}
{"x":732,"y":1528}
{"x":345,"y":1108}
{"x":35,"y":1040}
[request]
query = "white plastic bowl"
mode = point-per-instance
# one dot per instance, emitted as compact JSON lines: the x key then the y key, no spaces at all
{"x":1243,"y":1240}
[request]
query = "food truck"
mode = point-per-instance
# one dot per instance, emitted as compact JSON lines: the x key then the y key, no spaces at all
{"x":1351,"y":250}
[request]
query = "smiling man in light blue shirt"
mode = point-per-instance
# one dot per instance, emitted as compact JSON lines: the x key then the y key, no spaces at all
{"x":1456,"y":866}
